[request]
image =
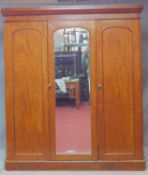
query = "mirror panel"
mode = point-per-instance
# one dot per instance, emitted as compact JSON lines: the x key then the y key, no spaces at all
{"x":72,"y":91}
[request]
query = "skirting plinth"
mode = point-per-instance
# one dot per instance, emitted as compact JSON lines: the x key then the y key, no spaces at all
{"x":138,"y":165}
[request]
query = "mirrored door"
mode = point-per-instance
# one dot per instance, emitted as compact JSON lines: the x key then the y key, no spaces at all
{"x":72,"y":93}
{"x":73,"y":112}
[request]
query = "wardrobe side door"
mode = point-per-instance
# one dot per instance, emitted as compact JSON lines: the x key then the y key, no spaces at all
{"x":26,"y":90}
{"x":119,"y":90}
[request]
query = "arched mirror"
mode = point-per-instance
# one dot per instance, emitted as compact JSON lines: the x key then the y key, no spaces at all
{"x":72,"y":91}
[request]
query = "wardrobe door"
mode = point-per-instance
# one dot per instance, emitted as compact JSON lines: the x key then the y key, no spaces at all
{"x":26,"y":90}
{"x":72,"y":90}
{"x":119,"y":90}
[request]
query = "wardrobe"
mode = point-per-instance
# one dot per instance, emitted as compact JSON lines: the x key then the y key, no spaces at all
{"x":102,"y":85}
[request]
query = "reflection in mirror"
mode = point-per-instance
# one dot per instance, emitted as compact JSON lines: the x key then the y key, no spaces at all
{"x":72,"y":80}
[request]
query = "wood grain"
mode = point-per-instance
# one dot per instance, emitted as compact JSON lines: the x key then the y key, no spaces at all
{"x":70,"y":165}
{"x":52,"y":27}
{"x":25,"y":50}
{"x":75,"y":9}
{"x":116,"y":107}
{"x":118,"y":76}
{"x":72,"y":17}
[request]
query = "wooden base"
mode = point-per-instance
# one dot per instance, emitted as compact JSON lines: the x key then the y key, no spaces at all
{"x":137,"y":165}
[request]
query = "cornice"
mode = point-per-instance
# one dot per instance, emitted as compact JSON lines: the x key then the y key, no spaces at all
{"x":73,"y":9}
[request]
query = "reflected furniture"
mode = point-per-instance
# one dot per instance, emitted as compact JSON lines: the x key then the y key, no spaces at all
{"x":115,"y":87}
{"x":68,"y":63}
{"x":72,"y":93}
{"x":73,"y":88}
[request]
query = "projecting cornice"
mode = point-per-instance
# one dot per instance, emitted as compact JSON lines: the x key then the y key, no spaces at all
{"x":73,"y":9}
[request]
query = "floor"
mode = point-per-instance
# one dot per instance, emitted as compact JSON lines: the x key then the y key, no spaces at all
{"x":69,"y":118}
{"x":3,"y":172}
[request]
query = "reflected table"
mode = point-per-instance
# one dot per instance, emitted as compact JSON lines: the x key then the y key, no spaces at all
{"x":73,"y":89}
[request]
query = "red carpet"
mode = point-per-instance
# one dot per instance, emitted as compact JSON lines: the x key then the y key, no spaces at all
{"x":73,"y":130}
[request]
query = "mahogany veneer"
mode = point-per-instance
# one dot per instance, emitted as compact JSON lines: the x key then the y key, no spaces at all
{"x":116,"y":107}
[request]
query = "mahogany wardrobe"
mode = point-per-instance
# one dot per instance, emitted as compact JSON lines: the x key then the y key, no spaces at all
{"x":73,"y":88}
